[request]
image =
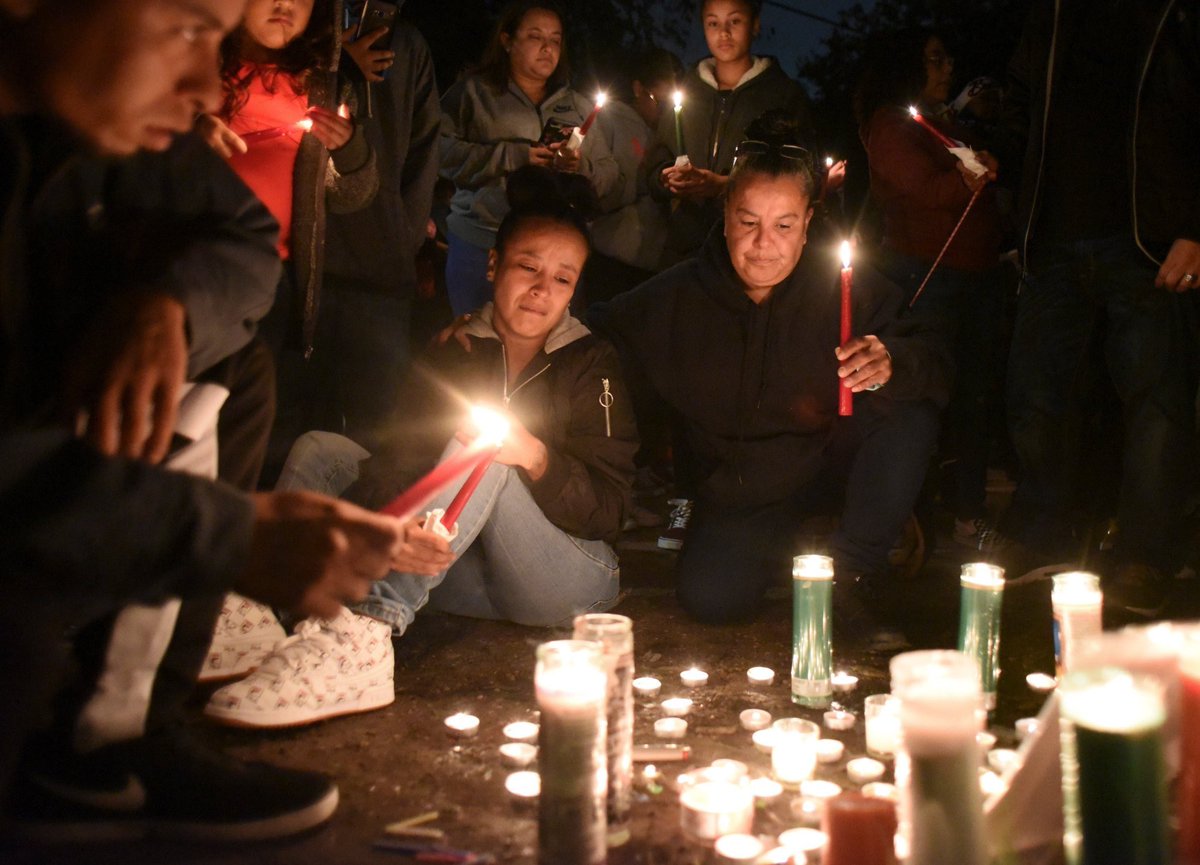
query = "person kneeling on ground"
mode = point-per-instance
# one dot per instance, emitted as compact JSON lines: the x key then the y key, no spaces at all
{"x":534,"y":542}
{"x":742,"y":341}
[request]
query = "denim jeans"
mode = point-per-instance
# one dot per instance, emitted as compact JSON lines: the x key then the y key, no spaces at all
{"x":512,"y":563}
{"x":1086,"y":308}
{"x":467,"y":284}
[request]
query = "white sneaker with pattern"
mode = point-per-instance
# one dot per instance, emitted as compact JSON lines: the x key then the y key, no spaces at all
{"x":246,"y":632}
{"x":329,"y":667}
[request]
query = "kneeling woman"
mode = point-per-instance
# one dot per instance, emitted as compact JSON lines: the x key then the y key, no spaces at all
{"x":534,"y":541}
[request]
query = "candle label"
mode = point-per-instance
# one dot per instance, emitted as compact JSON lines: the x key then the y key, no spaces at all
{"x":812,"y":649}
{"x":979,"y":634}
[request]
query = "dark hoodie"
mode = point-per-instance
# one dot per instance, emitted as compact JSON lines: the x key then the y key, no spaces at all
{"x":756,"y":384}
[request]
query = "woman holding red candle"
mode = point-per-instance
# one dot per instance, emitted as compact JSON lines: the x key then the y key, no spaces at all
{"x":923,"y":190}
{"x":533,"y":543}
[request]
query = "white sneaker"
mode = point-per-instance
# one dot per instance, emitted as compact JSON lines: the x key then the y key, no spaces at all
{"x":329,"y":667}
{"x":246,"y":632}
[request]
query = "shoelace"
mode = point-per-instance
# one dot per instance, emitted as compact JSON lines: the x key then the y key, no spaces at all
{"x":681,"y":515}
{"x":308,"y":647}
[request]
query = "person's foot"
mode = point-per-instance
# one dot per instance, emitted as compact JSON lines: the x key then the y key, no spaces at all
{"x":982,"y":535}
{"x":1137,"y":588}
{"x":329,"y":667}
{"x":675,"y":533}
{"x":245,"y":633}
{"x":857,"y":600}
{"x":167,"y":785}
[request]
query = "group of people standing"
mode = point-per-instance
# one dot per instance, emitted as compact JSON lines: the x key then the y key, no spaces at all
{"x":211,"y":213}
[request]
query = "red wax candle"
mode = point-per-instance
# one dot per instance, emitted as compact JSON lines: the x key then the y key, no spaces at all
{"x":860,"y":830}
{"x":1187,"y":801}
{"x":937,"y":133}
{"x":468,"y":487}
{"x":845,"y":397}
{"x":409,"y":502}
{"x":591,"y":118}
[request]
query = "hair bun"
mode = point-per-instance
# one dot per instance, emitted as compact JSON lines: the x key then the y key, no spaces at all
{"x":533,"y":188}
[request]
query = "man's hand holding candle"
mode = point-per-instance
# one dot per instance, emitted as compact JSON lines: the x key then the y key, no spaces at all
{"x":330,"y":128}
{"x":864,"y":363}
{"x":1180,"y":270}
{"x":688,"y":181}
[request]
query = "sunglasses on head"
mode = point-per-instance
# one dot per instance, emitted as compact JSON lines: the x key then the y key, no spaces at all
{"x":752,"y":147}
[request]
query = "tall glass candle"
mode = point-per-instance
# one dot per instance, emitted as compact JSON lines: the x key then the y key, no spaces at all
{"x":860,"y":829}
{"x":1075,"y":600}
{"x":571,"y":684}
{"x":979,"y":623}
{"x":881,"y":715}
{"x":937,"y":767}
{"x":812,"y":647}
{"x":794,"y":751}
{"x":1114,"y":780}
{"x":1187,"y":794}
{"x":615,"y":634}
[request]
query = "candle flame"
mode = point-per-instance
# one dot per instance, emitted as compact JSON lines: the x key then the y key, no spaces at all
{"x":829,"y":162}
{"x":677,"y":98}
{"x":845,"y":253}
{"x":305,"y":124}
{"x":601,"y":98}
{"x":344,"y":111}
{"x":912,"y":109}
{"x":493,"y":427}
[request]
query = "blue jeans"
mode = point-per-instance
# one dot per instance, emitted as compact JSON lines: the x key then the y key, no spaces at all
{"x":467,"y":284}
{"x":512,"y":563}
{"x":1085,"y":308}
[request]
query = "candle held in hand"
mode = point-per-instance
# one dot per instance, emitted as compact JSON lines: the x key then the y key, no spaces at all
{"x":937,"y":133}
{"x":601,"y":98}
{"x":845,"y":397}
{"x":677,"y":97}
{"x":493,"y":429}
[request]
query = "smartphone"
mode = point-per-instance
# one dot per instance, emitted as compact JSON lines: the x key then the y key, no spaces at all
{"x":555,"y":131}
{"x":376,"y":14}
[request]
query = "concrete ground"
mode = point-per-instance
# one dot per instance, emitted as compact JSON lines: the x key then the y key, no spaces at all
{"x":398,"y":762}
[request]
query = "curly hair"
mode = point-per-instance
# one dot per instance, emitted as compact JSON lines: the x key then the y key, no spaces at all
{"x":311,"y":50}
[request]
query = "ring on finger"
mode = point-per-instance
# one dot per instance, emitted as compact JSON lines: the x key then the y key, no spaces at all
{"x":1189,"y":277}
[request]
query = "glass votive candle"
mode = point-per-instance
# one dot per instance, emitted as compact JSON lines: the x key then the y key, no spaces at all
{"x":677,"y":707}
{"x":709,"y":809}
{"x":647,"y":686}
{"x":830,"y":750}
{"x":754,"y":719}
{"x":881,"y":713}
{"x":521,"y":731}
{"x":794,"y":752}
{"x":760,"y":675}
{"x":517,"y":755}
{"x":670,"y":728}
{"x":460,"y":725}
{"x":839,"y":719}
{"x":694,"y":678}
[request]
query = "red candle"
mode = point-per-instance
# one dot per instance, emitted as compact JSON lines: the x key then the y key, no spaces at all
{"x":493,"y":428}
{"x":937,"y":133}
{"x":409,"y":502}
{"x":460,"y":500}
{"x":845,"y":397}
{"x":591,"y":118}
{"x":304,"y":125}
{"x":1187,"y":794}
{"x":860,"y":830}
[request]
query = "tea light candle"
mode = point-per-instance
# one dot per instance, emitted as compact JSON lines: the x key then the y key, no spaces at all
{"x":521,"y":731}
{"x":738,"y":848}
{"x":650,"y":772}
{"x":727,"y":770}
{"x":990,"y":783}
{"x":766,"y":788}
{"x":710,"y":809}
{"x":1001,"y":760}
{"x":760,"y":675}
{"x":694,"y":678}
{"x":1026,"y":727}
{"x":985,"y":740}
{"x":1041,"y":683}
{"x":843,"y":682}
{"x":830,"y":750}
{"x":462,"y":726}
{"x":881,"y":790}
{"x":803,"y":840}
{"x":754,"y":719}
{"x":816,"y":789}
{"x":839,"y":719}
{"x":807,"y":810}
{"x":524,"y":785}
{"x":647,"y":686}
{"x":670,"y":728}
{"x":863,"y":770}
{"x":517,"y":755}
{"x":677,"y":707}
{"x":764,"y":740}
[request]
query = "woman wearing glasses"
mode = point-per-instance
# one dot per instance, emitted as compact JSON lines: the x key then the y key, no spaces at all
{"x":923,"y":191}
{"x":742,"y":341}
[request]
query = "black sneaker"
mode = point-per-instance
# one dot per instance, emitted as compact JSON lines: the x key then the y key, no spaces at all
{"x":856,"y":597}
{"x":675,"y":533}
{"x":169,"y":786}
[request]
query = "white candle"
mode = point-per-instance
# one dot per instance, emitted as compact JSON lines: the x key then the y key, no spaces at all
{"x":517,"y":755}
{"x":794,"y":755}
{"x":1041,"y":683}
{"x":882,"y":712}
{"x":816,"y":789}
{"x":863,"y":770}
{"x":524,"y":785}
{"x":830,"y":750}
{"x":754,"y":719}
{"x":764,"y":740}
{"x":521,"y":731}
{"x":670,"y":728}
{"x":990,"y":783}
{"x":710,"y":809}
{"x":1076,"y":602}
{"x":1002,"y":760}
{"x":760,"y":675}
{"x":803,"y":840}
{"x":1026,"y":727}
{"x":738,"y":848}
{"x":647,"y":686}
{"x":985,"y":740}
{"x":694,"y":678}
{"x":844,"y":682}
{"x":881,"y":790}
{"x":727,"y":770}
{"x":461,"y":725}
{"x":839,"y":719}
{"x":677,"y":707}
{"x":765,"y":788}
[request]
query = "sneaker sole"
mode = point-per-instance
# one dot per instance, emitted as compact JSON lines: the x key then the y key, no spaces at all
{"x":669,"y":544}
{"x":372,"y":699}
{"x":264,"y":829}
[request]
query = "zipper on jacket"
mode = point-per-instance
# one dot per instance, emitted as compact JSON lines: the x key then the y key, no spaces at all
{"x":606,"y":401}
{"x":508,"y":396}
{"x":1137,"y":113}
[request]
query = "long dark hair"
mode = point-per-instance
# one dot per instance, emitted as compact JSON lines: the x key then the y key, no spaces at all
{"x":494,"y":64}
{"x":893,"y":71}
{"x":311,"y":50}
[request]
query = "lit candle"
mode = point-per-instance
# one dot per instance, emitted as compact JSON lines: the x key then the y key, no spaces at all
{"x":803,"y":841}
{"x":738,"y":848}
{"x":766,"y":789}
{"x":754,"y":719}
{"x":694,"y":678}
{"x":860,"y":829}
{"x":881,"y":790}
{"x":1076,"y":602}
{"x":517,"y":755}
{"x":937,"y":133}
{"x":408,"y":503}
{"x":882,"y":718}
{"x":521,"y":731}
{"x":710,"y":809}
{"x":764,"y":740}
{"x":647,"y":686}
{"x":670,"y":728}
{"x":839,"y":719}
{"x":985,"y":740}
{"x":1187,"y":793}
{"x":830,"y":750}
{"x":979,"y":622}
{"x":493,"y":429}
{"x":816,"y":789}
{"x":845,"y":396}
{"x":1002,"y":760}
{"x":1026,"y":727}
{"x":524,"y":785}
{"x":760,"y":675}
{"x":863,"y":770}
{"x":677,"y":97}
{"x":303,"y":125}
{"x":843,"y":682}
{"x":794,"y":751}
{"x":677,"y":707}
{"x":726,"y":769}
{"x":812,"y":647}
{"x":601,"y":97}
{"x":461,"y":725}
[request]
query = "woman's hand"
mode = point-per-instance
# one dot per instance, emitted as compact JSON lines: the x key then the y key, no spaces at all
{"x":540,"y":154}
{"x":975,"y":181}
{"x":835,"y":176}
{"x":372,"y":61}
{"x":332,"y":130}
{"x":865,"y":363}
{"x":521,"y":448}
{"x":218,"y":136}
{"x":564,"y":159}
{"x":422,"y":552}
{"x":688,"y":181}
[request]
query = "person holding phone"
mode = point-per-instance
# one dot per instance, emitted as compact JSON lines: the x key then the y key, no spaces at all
{"x":509,"y":112}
